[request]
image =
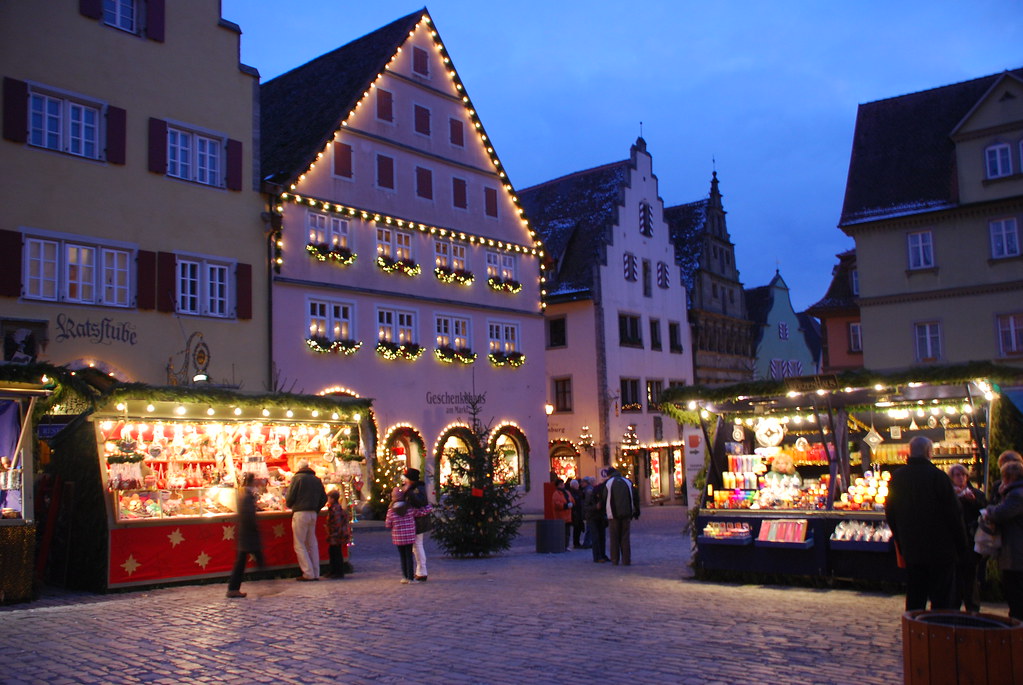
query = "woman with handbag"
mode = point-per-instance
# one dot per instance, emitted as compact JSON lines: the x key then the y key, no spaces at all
{"x":1007,"y":516}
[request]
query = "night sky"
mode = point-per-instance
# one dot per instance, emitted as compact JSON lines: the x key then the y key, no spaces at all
{"x":765,"y":92}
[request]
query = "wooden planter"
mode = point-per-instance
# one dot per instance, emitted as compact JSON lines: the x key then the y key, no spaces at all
{"x":954,"y":647}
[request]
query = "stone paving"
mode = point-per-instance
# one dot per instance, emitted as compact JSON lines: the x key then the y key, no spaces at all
{"x":520,"y":617}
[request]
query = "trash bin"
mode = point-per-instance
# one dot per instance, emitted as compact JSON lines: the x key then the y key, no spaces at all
{"x":550,"y":536}
{"x":956,"y":647}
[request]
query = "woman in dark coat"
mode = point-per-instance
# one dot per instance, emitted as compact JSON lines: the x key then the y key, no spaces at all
{"x":972,"y":501}
{"x":247,"y":536}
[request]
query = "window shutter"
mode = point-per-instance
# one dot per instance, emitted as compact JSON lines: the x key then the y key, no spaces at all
{"x":166,"y":281}
{"x":424,"y":183}
{"x":420,"y":64}
{"x":116,"y":137}
{"x":157,"y":146}
{"x":10,"y":275}
{"x":422,"y":120}
{"x":459,"y":196}
{"x":384,"y":105}
{"x":15,"y":110}
{"x":490,"y":201}
{"x":385,"y":172}
{"x":91,"y":8}
{"x":155,"y":20}
{"x":243,"y":288}
{"x":342,"y":160}
{"x":457,"y":133}
{"x":145,"y":279}
{"x":234,"y":165}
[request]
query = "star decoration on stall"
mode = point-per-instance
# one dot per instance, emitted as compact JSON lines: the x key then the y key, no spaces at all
{"x":203,"y":559}
{"x":130,"y":565}
{"x":228,"y":533}
{"x":279,"y":530}
{"x":176,"y":538}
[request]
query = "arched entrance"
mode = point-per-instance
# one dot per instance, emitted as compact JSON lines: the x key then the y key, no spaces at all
{"x":511,"y":450}
{"x":456,"y":439}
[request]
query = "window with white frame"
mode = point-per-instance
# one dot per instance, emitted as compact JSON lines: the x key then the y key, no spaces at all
{"x":854,"y":281}
{"x":1004,"y":238}
{"x":855,"y":337}
{"x":330,"y":320}
{"x":194,"y":156}
{"x":396,"y":326}
{"x":57,"y":122}
{"x":59,"y":270}
{"x":503,"y":336}
{"x":493,"y":265}
{"x":921,"y":250}
{"x":1010,"y":334}
{"x":449,"y":255}
{"x":928,"y":340}
{"x":452,"y":331}
{"x":998,"y":160}
{"x":203,"y":287}
{"x":121,"y":14}
{"x":327,"y":230}
{"x":508,"y":265}
{"x":396,"y":245}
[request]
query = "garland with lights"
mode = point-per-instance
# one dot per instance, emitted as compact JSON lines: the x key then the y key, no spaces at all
{"x":460,"y":276}
{"x":515,"y":359}
{"x":323,"y":345}
{"x":391,"y":350}
{"x":509,"y":285}
{"x":404,"y":266}
{"x":322,"y":252}
{"x":450,"y":355}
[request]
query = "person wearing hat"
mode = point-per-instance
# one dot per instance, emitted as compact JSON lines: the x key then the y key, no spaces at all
{"x":415,"y":495}
{"x":306,"y":496}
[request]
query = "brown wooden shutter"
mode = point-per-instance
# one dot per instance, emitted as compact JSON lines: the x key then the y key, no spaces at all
{"x":15,"y":110}
{"x":490,"y":201}
{"x":457,"y":132}
{"x":420,"y":65}
{"x":422,"y":120}
{"x":166,"y":281}
{"x":342,"y":160}
{"x":10,"y":275}
{"x":116,"y":134}
{"x":91,"y":8}
{"x":145,"y":279}
{"x":424,"y":183}
{"x":243,"y":288}
{"x":155,"y":20}
{"x":459,"y":196}
{"x":385,"y":171}
{"x":234,"y":165}
{"x":157,"y":146}
{"x":385,"y":105}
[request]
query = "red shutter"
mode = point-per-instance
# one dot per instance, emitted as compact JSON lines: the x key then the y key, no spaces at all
{"x":166,"y":281}
{"x":155,"y":15}
{"x":385,"y":172}
{"x":243,"y":288}
{"x":385,"y":105}
{"x":234,"y":165}
{"x":457,"y":133}
{"x":459,"y":196}
{"x":424,"y":183}
{"x":342,"y":160}
{"x":91,"y":8}
{"x":157,"y":146}
{"x":422,"y":120}
{"x":145,"y":289}
{"x":15,"y":110}
{"x":490,"y":201}
{"x":420,"y":65}
{"x":116,"y":134}
{"x":10,"y":275}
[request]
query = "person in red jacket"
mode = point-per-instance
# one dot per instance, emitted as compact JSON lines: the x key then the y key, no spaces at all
{"x":561,"y":505}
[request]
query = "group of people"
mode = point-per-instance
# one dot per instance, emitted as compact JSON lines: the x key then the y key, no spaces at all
{"x":934,"y":517}
{"x":590,"y":509}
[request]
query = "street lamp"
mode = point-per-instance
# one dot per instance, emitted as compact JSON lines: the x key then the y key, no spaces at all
{"x":549,"y":409}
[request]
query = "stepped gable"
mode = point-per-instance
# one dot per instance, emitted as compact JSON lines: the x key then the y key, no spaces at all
{"x":687,"y":224}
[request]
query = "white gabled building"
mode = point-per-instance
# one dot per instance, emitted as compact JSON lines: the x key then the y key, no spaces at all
{"x":617,"y":333}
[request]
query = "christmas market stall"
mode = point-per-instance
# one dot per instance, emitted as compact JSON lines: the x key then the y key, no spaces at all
{"x":17,"y":466}
{"x":157,"y":471}
{"x":798,"y":469}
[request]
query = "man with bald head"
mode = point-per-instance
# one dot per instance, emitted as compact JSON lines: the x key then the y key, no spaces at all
{"x":927,"y":523}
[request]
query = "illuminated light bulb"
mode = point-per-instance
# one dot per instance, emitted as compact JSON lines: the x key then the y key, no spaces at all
{"x":878,"y":387}
{"x":150,"y":408}
{"x":180,"y":410}
{"x":315,"y":413}
{"x":335,"y":416}
{"x":950,"y":410}
{"x":692,"y":405}
{"x":210,"y":412}
{"x":265,"y":412}
{"x":237,"y":411}
{"x":356,"y":417}
{"x":967,"y":409}
{"x":289,"y":413}
{"x":121,"y":406}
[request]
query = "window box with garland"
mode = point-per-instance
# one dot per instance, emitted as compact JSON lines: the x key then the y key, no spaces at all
{"x":509,"y":285}
{"x":450,"y":355}
{"x":392,"y":350}
{"x":515,"y":359}
{"x":323,"y":252}
{"x":460,"y":276}
{"x":405,"y":266}
{"x":324,"y":345}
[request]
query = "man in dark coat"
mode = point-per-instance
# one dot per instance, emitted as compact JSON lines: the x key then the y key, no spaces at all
{"x":246,"y":535}
{"x":927,"y":523}
{"x":306,"y":496}
{"x":621,"y":506}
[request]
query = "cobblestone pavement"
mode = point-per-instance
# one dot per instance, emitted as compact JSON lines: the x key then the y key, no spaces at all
{"x":517,"y":618}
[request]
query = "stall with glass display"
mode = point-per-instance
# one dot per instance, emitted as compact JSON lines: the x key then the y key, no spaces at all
{"x":167,"y":464}
{"x":798,"y":473}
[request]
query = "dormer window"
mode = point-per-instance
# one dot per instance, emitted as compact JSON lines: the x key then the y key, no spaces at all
{"x":998,"y":160}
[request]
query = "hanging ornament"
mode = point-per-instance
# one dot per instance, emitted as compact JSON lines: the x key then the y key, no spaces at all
{"x":932,"y":422}
{"x":738,"y":434}
{"x":873,"y":438}
{"x":913,"y":426}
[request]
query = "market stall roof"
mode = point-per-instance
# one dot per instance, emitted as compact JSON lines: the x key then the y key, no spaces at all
{"x":221,"y":397}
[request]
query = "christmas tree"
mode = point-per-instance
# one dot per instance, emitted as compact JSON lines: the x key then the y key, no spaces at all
{"x":476,"y":516}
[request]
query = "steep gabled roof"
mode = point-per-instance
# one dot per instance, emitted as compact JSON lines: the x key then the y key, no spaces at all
{"x":811,"y":329}
{"x":572,"y":216}
{"x":301,"y":110}
{"x":903,"y":156}
{"x":840,"y":295}
{"x":687,"y":224}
